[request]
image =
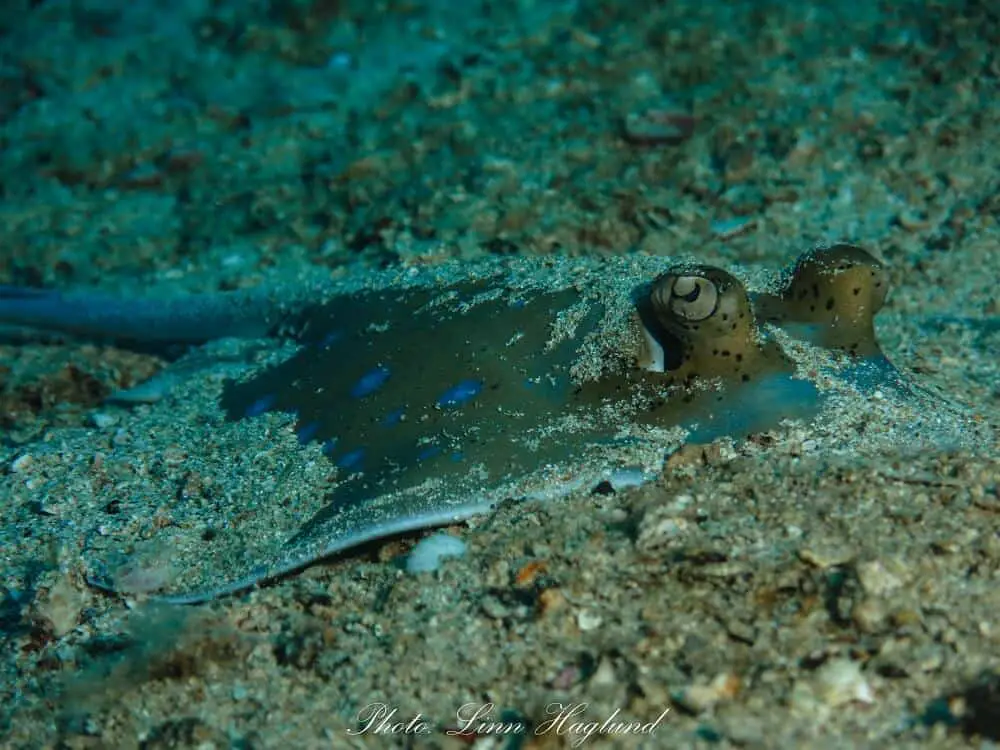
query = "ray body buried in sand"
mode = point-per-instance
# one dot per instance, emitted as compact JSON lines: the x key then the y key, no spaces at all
{"x":435,"y":400}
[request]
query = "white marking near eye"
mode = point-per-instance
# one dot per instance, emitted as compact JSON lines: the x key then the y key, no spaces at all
{"x":657,"y":361}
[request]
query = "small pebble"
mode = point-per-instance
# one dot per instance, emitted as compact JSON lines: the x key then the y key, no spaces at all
{"x":493,"y":607}
{"x":102,"y":420}
{"x":660,"y":527}
{"x":148,"y":392}
{"x":869,"y":615}
{"x":427,"y":554}
{"x":725,"y":229}
{"x":824,"y":555}
{"x":700,"y":698}
{"x":587,"y":620}
{"x":621,"y":479}
{"x":877,"y":577}
{"x":840,"y":681}
{"x":60,"y":606}
{"x":657,"y":127}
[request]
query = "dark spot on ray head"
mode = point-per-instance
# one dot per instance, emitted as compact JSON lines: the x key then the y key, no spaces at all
{"x":260,"y":406}
{"x":370,"y":382}
{"x":829,"y":304}
{"x":460,"y":394}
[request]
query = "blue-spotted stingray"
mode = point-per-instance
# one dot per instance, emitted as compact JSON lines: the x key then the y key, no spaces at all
{"x":437,"y":401}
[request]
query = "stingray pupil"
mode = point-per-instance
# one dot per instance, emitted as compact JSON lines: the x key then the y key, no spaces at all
{"x":693,"y":294}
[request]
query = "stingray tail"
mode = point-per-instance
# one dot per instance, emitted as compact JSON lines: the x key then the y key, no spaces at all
{"x":188,"y":319}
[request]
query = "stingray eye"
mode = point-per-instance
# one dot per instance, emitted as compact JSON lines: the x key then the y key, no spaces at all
{"x":693,"y":298}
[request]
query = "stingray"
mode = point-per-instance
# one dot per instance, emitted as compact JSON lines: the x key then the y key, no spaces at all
{"x":437,"y":402}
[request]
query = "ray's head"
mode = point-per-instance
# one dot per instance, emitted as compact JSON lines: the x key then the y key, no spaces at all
{"x":707,"y":312}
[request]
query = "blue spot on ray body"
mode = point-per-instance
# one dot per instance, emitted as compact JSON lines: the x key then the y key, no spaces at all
{"x":460,"y":394}
{"x":261,"y":406}
{"x":755,"y":407}
{"x":393,"y":417}
{"x":428,"y":452}
{"x":307,"y":432}
{"x":370,"y":382}
{"x":330,"y":339}
{"x":352,"y":459}
{"x":387,"y":382}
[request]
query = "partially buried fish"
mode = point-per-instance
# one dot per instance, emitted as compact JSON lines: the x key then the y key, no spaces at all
{"x":436,"y":401}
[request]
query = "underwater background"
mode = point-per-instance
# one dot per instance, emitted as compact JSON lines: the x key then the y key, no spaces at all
{"x":812,"y":585}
